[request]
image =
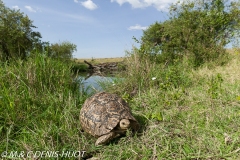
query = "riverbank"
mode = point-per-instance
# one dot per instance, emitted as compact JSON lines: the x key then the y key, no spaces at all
{"x":99,"y":60}
{"x":98,"y":65}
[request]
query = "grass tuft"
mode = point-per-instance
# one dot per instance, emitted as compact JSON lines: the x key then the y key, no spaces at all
{"x":39,"y":105}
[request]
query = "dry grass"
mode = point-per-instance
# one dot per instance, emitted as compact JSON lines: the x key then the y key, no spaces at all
{"x":100,"y":60}
{"x":230,"y":72}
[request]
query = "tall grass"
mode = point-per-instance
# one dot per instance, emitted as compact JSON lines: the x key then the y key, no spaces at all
{"x":39,"y":106}
{"x":143,"y":74}
{"x":185,"y":113}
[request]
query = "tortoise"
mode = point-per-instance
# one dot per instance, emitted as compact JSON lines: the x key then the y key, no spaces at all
{"x":106,"y":116}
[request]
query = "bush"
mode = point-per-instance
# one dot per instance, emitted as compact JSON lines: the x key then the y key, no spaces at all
{"x":200,"y":39}
{"x":78,"y":67}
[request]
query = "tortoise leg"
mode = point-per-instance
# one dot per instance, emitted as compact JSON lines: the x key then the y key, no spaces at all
{"x":106,"y":138}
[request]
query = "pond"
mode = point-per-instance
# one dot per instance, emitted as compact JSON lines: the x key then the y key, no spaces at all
{"x":96,"y":83}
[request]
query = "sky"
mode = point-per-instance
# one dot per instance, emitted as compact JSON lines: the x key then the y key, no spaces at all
{"x":99,"y":28}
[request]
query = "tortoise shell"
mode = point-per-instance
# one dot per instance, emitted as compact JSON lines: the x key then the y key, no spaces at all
{"x":101,"y":113}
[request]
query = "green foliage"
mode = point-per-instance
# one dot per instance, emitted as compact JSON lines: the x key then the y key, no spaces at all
{"x":157,"y":115}
{"x":39,"y":100}
{"x":198,"y":39}
{"x":79,"y":67}
{"x":215,"y":88}
{"x":145,"y":73}
{"x":238,"y":98}
{"x":19,"y":41}
{"x":62,"y":50}
{"x":174,"y":77}
{"x":17,"y":35}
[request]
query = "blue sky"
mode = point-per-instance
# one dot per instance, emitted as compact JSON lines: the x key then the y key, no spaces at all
{"x":99,"y":28}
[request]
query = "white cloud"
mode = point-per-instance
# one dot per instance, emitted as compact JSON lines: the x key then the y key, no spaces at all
{"x":66,"y":17}
{"x":89,"y":4}
{"x":76,"y":1}
{"x":161,"y":5}
{"x":30,"y":9}
{"x":137,"y":27}
{"x":15,"y":7}
{"x":77,"y":17}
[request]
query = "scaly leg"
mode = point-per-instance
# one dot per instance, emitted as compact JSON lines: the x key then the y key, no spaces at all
{"x":106,"y":138}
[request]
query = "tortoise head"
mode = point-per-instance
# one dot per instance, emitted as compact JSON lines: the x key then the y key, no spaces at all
{"x":124,"y":124}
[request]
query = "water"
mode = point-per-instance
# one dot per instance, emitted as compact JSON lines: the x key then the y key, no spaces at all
{"x":96,"y":83}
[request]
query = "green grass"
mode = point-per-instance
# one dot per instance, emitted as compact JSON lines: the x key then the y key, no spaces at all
{"x":184,"y":113}
{"x":39,"y":106}
{"x":79,"y":67}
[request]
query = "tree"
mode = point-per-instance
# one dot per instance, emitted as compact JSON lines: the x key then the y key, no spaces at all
{"x":62,"y":50}
{"x":198,"y":30}
{"x":17,"y":36}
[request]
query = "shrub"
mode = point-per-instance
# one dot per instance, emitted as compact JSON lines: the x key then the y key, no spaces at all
{"x":200,"y":39}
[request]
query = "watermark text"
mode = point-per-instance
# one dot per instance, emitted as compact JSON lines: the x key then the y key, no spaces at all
{"x":42,"y":154}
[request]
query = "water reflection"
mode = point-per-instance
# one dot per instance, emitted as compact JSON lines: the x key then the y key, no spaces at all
{"x":96,"y":83}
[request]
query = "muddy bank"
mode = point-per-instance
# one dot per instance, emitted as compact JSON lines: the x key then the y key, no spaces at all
{"x":108,"y":67}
